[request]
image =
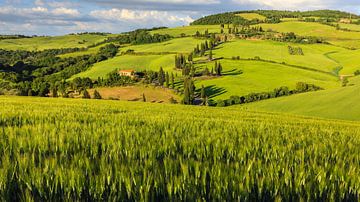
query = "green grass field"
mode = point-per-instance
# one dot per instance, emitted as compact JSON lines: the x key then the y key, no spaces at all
{"x":314,"y":54}
{"x":42,"y":43}
{"x":329,"y":33}
{"x":178,"y":45}
{"x":252,"y":16}
{"x":339,"y":103}
{"x":243,"y":77}
{"x":75,"y":149}
{"x":189,"y":30}
{"x":348,"y":59}
{"x":352,"y":27}
{"x":89,"y":51}
{"x":138,"y":63}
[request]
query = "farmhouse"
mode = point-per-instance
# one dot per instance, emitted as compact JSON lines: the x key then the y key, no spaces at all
{"x":129,"y":73}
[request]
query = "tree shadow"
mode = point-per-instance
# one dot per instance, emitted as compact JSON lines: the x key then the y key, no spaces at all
{"x":232,"y":72}
{"x":213,"y":91}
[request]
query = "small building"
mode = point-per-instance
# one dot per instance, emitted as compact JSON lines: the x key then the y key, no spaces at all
{"x":129,"y":73}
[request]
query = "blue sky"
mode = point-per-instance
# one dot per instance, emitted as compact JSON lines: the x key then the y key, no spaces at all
{"x":57,"y":17}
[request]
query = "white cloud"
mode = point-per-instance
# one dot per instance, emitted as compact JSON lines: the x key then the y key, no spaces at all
{"x":66,"y":11}
{"x":289,"y":4}
{"x":140,"y":15}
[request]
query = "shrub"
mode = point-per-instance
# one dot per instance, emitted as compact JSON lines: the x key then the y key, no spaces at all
{"x":220,"y":103}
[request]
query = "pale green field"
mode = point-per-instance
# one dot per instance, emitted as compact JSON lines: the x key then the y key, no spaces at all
{"x":336,"y":37}
{"x":42,"y":43}
{"x":261,"y":77}
{"x":314,"y":54}
{"x":189,"y":30}
{"x":251,"y":16}
{"x":348,"y":59}
{"x":144,"y":62}
{"x":339,"y":103}
{"x":90,"y":51}
{"x":353,"y":27}
{"x":178,"y":45}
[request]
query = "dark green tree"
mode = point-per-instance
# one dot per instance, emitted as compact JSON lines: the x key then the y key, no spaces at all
{"x":86,"y":95}
{"x":97,"y":95}
{"x":161,"y":76}
{"x":172,"y":81}
{"x":167,"y":80}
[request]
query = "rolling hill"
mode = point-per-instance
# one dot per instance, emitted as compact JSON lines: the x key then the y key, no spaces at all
{"x":339,"y":103}
{"x":57,"y":42}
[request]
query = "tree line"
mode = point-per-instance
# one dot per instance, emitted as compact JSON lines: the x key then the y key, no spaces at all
{"x":301,"y":87}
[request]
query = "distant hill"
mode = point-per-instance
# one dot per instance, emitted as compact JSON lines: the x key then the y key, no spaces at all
{"x":271,"y":16}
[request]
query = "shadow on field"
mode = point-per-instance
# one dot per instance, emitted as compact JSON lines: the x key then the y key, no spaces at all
{"x":233,"y":72}
{"x":213,"y":91}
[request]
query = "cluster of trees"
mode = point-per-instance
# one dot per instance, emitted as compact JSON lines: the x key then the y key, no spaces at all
{"x":295,"y":50}
{"x":301,"y":87}
{"x":223,"y":18}
{"x":139,"y":37}
{"x":301,"y":14}
{"x":43,"y":69}
{"x":10,"y":57}
{"x":13,"y":37}
{"x":293,"y":38}
{"x":357,"y":73}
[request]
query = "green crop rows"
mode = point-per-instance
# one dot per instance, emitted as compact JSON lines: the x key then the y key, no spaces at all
{"x":58,"y":149}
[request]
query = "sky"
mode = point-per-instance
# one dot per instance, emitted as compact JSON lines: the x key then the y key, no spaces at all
{"x":58,"y":17}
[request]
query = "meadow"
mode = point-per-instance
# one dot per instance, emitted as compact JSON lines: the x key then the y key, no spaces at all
{"x":314,"y":54}
{"x":338,"y":103}
{"x":252,"y":16}
{"x":113,"y":150}
{"x":183,"y":45}
{"x":244,"y":77}
{"x":331,"y":34}
{"x":56,"y":42}
{"x":136,"y":93}
{"x":188,"y":30}
{"x":134,"y":62}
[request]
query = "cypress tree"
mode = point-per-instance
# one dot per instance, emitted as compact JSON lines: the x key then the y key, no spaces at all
{"x":97,"y":95}
{"x":172,"y":81}
{"x":167,"y":80}
{"x":203,"y":94}
{"x":161,"y":76}
{"x":143,"y":97}
{"x":86,"y":94}
{"x":210,"y":55}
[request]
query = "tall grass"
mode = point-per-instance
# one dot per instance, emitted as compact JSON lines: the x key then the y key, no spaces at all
{"x":60,"y":150}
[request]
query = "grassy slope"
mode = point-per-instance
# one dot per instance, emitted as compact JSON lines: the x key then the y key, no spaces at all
{"x":243,"y":77}
{"x":189,"y":30}
{"x":348,"y":59}
{"x":340,"y":103}
{"x":314,"y":54}
{"x":350,"y":26}
{"x":135,"y":93}
{"x":89,"y":51}
{"x":41,"y":43}
{"x":336,"y":37}
{"x":148,"y":62}
{"x":178,"y":45}
{"x":252,"y":16}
